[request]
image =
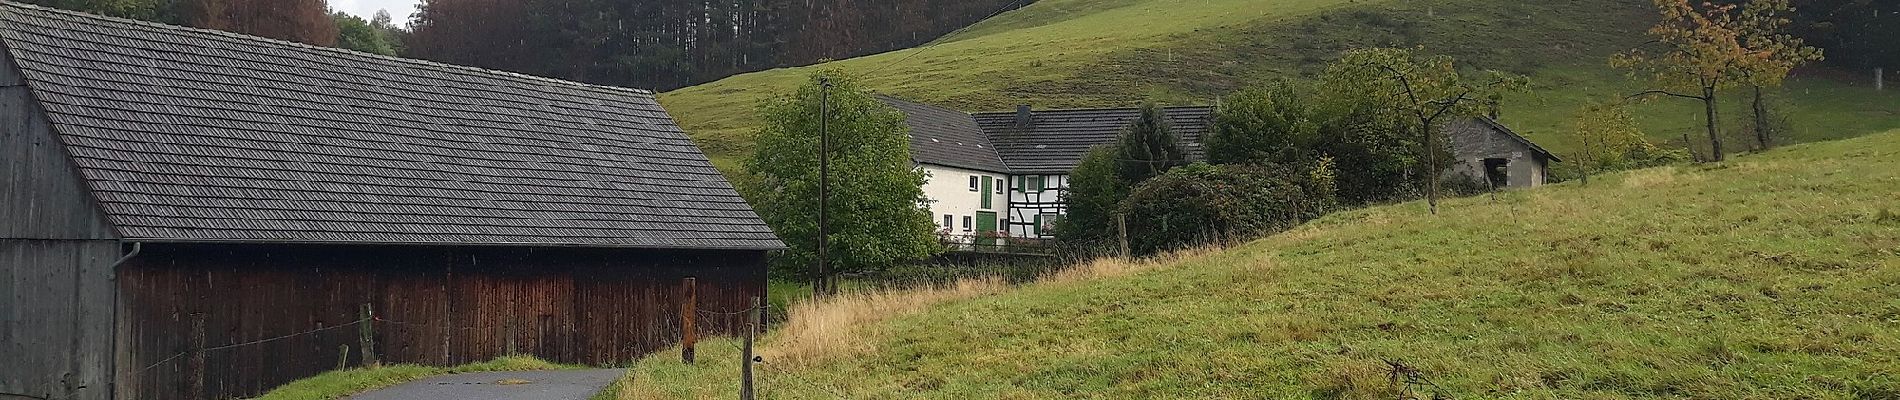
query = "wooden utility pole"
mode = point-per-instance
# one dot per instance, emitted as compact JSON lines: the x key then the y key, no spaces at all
{"x":823,"y":285}
{"x":689,"y":312}
{"x":751,"y":333}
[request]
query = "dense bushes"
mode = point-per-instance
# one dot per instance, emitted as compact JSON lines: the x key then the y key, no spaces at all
{"x":1276,"y":151}
{"x":1607,"y":139}
{"x":1095,"y":193}
{"x":1273,"y":124}
{"x":1098,"y":185}
{"x":1204,"y":203}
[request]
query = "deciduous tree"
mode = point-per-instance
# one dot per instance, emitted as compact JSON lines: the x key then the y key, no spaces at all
{"x":1765,"y":24}
{"x":1270,"y":124}
{"x":875,"y":206}
{"x":1093,"y":199}
{"x":354,"y":33}
{"x":1704,"y":49}
{"x":1421,"y":92}
{"x":306,"y":21}
{"x":1603,"y":134}
{"x":135,"y":9}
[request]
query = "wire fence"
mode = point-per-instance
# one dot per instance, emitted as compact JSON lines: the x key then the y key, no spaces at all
{"x":372,"y":319}
{"x":175,"y":357}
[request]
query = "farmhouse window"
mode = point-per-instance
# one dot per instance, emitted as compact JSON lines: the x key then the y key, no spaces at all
{"x":1035,"y":184}
{"x":974,"y":183}
{"x":967,"y":221}
{"x":948,"y":222}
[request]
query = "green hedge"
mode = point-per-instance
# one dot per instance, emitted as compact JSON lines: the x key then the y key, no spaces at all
{"x":1201,"y":203}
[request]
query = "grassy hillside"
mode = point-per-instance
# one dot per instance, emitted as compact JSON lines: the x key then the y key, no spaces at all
{"x":1775,"y":275}
{"x":1067,"y":53}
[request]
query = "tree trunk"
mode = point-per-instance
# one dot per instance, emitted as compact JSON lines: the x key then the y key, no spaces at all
{"x":1431,"y":169}
{"x":1762,"y":140}
{"x":1689,"y":144}
{"x":1715,"y":135}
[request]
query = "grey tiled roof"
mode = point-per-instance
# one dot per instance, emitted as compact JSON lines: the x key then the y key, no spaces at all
{"x":1057,"y":139}
{"x":1470,"y":126}
{"x":194,"y":135}
{"x":946,"y":137}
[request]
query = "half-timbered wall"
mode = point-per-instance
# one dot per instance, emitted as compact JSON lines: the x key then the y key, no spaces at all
{"x":1028,"y":206}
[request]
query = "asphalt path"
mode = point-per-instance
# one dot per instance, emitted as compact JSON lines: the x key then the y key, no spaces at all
{"x":523,"y":385}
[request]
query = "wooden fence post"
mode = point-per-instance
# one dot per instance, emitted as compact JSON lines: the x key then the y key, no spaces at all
{"x":195,"y":383}
{"x":510,"y":326}
{"x":366,"y":330}
{"x":1121,"y":229}
{"x":689,"y":311}
{"x":751,"y":333}
{"x":1880,"y":79}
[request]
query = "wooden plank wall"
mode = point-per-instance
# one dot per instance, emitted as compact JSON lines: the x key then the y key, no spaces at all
{"x":439,"y":306}
{"x":55,"y":249}
{"x":41,"y":194}
{"x":56,"y":301}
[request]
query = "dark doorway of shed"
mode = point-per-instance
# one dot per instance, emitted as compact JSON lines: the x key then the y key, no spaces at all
{"x":1498,"y":172}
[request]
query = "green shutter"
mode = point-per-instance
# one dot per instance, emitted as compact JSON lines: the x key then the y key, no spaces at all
{"x":989,"y":189}
{"x":1038,"y":228}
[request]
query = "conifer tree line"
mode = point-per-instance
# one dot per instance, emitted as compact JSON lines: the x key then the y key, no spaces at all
{"x":306,"y":21}
{"x":666,"y":44}
{"x":658,"y":44}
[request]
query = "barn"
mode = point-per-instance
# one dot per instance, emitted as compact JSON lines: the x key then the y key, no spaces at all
{"x":192,"y":214}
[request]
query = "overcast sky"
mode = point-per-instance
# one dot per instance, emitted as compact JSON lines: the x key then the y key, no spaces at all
{"x":367,"y":8}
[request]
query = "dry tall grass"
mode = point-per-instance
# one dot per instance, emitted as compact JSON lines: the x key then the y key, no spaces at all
{"x":836,"y":326}
{"x":840,"y":326}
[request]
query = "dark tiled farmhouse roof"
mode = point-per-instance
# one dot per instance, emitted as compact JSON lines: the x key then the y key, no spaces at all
{"x":946,"y":137}
{"x":1056,"y":140}
{"x":194,"y":135}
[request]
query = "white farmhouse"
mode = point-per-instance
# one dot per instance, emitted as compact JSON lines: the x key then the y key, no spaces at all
{"x":1004,"y":173}
{"x":968,"y":183}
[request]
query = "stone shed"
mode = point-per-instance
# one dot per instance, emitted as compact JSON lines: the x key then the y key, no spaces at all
{"x":1486,"y":150}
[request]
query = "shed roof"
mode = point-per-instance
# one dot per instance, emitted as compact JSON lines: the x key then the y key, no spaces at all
{"x":1056,"y":140}
{"x":1474,"y":124}
{"x":946,"y":137}
{"x":196,"y":135}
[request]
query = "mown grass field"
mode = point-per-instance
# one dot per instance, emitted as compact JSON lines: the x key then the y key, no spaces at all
{"x":1077,"y":53}
{"x":1774,"y":275}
